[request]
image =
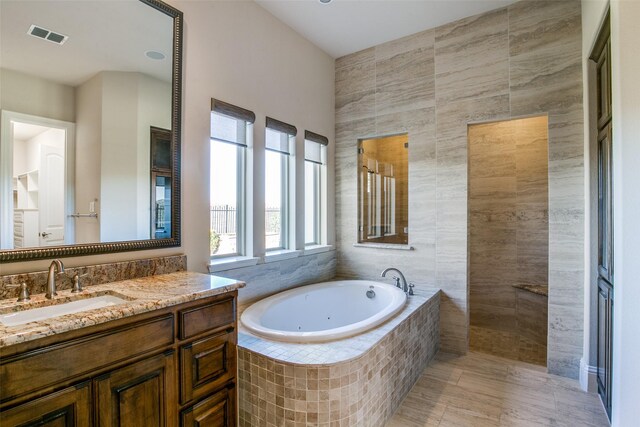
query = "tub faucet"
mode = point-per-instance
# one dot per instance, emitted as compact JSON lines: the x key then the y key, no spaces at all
{"x":55,"y":267}
{"x":405,"y":286}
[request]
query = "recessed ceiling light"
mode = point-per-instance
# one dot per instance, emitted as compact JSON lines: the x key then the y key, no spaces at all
{"x":154,"y":54}
{"x":325,"y":1}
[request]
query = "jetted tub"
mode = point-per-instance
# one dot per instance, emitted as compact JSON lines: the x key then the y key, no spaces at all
{"x":324,"y":311}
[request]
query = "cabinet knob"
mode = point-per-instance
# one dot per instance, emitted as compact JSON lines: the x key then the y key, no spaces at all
{"x":45,"y":234}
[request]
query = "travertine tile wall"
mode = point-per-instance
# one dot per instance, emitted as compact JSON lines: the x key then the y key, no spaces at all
{"x":516,"y":61}
{"x":267,"y":279}
{"x":508,"y":232}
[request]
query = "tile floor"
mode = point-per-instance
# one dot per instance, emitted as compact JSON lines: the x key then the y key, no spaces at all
{"x":483,"y":390}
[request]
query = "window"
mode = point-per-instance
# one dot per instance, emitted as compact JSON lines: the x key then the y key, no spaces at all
{"x":314,"y":169}
{"x":230,"y":126}
{"x":279,"y":139}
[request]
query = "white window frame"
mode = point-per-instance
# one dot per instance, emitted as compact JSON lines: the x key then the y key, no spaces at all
{"x":245,"y":129}
{"x":286,"y":168}
{"x":318,"y":170}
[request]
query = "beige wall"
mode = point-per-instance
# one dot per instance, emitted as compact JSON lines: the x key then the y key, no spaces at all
{"x":508,"y":233}
{"x":625,"y":69}
{"x":238,"y":52}
{"x":519,"y":61}
{"x":88,"y":156}
{"x":26,"y":94}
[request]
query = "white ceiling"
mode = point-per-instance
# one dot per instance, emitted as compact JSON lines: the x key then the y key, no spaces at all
{"x":346,"y":26}
{"x":26,"y":131}
{"x":103,"y":35}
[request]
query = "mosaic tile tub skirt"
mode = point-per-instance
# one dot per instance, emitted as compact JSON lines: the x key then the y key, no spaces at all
{"x":358,"y":381}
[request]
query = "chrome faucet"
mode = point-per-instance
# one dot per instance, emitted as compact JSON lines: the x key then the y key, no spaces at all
{"x":405,"y":286}
{"x":55,"y":267}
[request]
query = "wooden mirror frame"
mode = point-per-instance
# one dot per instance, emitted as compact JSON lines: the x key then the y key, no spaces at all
{"x":29,"y":254}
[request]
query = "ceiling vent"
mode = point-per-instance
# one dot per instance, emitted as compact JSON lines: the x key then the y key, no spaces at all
{"x":48,"y":35}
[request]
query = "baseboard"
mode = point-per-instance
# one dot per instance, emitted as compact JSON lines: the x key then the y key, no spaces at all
{"x":588,"y":377}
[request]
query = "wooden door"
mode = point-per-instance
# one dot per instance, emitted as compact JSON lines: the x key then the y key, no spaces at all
{"x":141,"y":394}
{"x":215,"y":411}
{"x":70,"y":407}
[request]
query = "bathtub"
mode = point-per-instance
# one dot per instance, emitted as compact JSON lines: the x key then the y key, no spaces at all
{"x":324,"y":311}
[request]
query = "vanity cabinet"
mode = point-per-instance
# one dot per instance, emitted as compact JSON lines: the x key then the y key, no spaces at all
{"x":168,"y":367}
{"x":68,"y":407}
{"x":139,"y":394}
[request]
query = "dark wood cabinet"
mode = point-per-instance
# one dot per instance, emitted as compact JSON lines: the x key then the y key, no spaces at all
{"x":138,"y":394}
{"x":605,"y":205}
{"x":215,"y":411}
{"x":160,"y":368}
{"x":70,"y":407}
{"x":205,"y":365}
{"x":601,"y":57}
{"x":603,"y":73}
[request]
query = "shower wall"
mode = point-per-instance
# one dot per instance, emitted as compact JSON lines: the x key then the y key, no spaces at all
{"x":509,"y":237}
{"x":517,"y":61}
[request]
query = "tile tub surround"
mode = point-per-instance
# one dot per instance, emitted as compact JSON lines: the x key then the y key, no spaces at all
{"x":358,"y":381}
{"x":508,"y":229}
{"x":272,"y":277}
{"x":517,"y":61}
{"x":144,"y":294}
{"x":93,"y":274}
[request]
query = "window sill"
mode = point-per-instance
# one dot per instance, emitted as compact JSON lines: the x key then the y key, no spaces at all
{"x":222,"y":264}
{"x":280,"y":255}
{"x":395,"y":246}
{"x":317,"y":249}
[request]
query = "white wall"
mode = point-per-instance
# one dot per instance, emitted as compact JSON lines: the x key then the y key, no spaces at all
{"x":115,"y":113}
{"x":88,"y":157}
{"x":23,"y":93}
{"x":131,"y":103}
{"x":237,"y":52}
{"x":625,"y":64}
{"x":154,"y":97}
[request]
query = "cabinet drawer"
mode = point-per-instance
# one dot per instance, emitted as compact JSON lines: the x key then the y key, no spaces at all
{"x":207,"y":364}
{"x":68,"y":407}
{"x":37,"y":369}
{"x":214,"y":315}
{"x":217,"y":410}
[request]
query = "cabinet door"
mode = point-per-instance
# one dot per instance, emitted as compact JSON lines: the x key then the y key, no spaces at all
{"x":605,"y":336}
{"x":604,"y":85}
{"x":70,"y":407}
{"x":605,"y":205}
{"x":141,"y":394}
{"x":207,"y":364}
{"x":215,"y":411}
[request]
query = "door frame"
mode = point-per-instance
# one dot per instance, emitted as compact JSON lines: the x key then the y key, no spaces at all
{"x":6,"y":171}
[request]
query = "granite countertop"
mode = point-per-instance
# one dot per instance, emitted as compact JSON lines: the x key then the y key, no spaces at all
{"x":535,"y":289}
{"x":143,"y":294}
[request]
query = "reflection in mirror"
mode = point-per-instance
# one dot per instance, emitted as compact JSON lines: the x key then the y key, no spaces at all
{"x":86,"y":134}
{"x":383,"y":185}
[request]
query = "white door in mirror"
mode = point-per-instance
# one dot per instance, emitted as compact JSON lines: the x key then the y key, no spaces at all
{"x":42,"y":313}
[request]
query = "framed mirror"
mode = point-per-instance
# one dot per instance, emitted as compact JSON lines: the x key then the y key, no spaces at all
{"x":90,"y":105}
{"x":383,"y":190}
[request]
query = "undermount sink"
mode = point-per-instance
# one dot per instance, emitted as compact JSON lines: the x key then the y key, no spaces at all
{"x":21,"y":317}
